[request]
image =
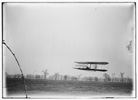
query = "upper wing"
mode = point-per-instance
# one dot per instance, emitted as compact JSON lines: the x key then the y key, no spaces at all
{"x":101,"y":63}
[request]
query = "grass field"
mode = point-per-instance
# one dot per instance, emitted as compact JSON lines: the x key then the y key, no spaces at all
{"x":38,"y":87}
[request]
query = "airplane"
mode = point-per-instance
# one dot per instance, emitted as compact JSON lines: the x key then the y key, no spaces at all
{"x":84,"y":66}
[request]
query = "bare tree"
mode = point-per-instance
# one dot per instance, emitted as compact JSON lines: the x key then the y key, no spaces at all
{"x":122,"y":76}
{"x":45,"y":73}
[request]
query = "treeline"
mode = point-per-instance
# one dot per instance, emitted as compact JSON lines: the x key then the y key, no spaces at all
{"x":105,"y":78}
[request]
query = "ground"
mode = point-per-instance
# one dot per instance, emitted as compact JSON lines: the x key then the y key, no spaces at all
{"x":54,"y":88}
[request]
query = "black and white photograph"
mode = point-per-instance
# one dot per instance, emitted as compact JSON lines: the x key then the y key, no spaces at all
{"x":68,"y":50}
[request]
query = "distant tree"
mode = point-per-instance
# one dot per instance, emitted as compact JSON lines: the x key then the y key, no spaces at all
{"x":14,"y":76}
{"x":122,"y":76}
{"x":73,"y":78}
{"x":50,"y":77}
{"x":37,"y":76}
{"x":89,"y":78}
{"x":56,"y":75}
{"x":113,"y":77}
{"x":32,"y":76}
{"x":19,"y":75}
{"x":69,"y":77}
{"x":84,"y":78}
{"x":129,"y":79}
{"x":65,"y":77}
{"x":45,"y":73}
{"x":100,"y":79}
{"x":96,"y":79}
{"x":106,"y":77}
{"x":41,"y":76}
{"x":28,"y":76}
{"x":7,"y":75}
{"x":61,"y":77}
{"x":78,"y":77}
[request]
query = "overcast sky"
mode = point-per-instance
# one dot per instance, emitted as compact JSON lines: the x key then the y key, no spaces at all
{"x":54,"y":35}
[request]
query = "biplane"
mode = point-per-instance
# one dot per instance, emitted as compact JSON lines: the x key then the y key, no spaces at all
{"x":91,"y":66}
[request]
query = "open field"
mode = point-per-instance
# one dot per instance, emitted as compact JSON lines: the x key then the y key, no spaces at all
{"x":39,"y":87}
